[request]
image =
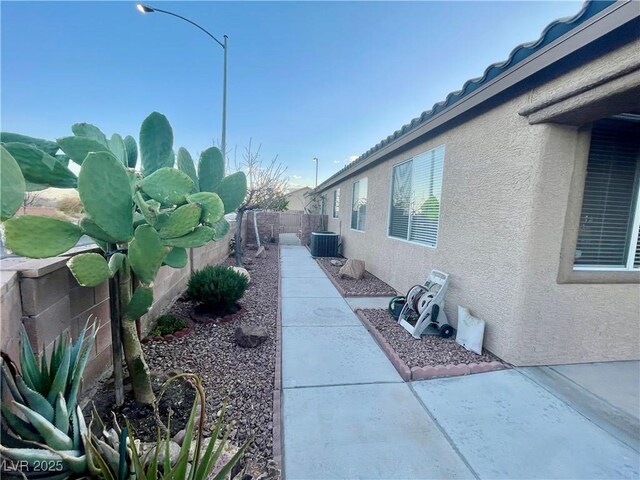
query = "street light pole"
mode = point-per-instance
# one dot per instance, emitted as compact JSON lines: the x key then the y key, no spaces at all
{"x":315,"y":159}
{"x":148,"y":9}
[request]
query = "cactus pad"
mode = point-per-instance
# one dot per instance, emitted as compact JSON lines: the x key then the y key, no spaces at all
{"x":116,"y":261}
{"x":105,"y":192}
{"x":197,"y":238}
{"x":168,"y":186}
{"x":221,"y":228}
{"x":46,"y":146}
{"x":40,"y":167}
{"x":156,"y":143}
{"x":212,"y":206}
{"x":177,"y":258}
{"x":12,"y":185}
{"x":40,"y":237}
{"x":89,"y":269}
{"x":132,"y":151}
{"x":185,"y":165}
{"x":90,"y":228}
{"x":118,"y":148}
{"x":79,"y":147}
{"x":182,"y":221}
{"x":140,"y":303}
{"x":90,"y":131}
{"x":232,"y":190}
{"x":210,"y":169}
{"x":146,"y":253}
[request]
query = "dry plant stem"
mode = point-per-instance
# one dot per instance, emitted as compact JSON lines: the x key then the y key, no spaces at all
{"x":266,"y":185}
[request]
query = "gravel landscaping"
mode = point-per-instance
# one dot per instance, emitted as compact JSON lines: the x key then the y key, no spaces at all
{"x":244,"y":377}
{"x":369,"y":285}
{"x":429,"y":351}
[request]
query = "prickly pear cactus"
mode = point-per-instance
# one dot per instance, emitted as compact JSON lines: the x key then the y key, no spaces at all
{"x":141,"y":220}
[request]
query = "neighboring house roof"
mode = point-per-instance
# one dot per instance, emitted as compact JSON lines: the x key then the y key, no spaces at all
{"x":554,"y":31}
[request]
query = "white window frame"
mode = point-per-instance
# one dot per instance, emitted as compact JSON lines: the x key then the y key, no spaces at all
{"x":406,"y":240}
{"x":353,"y":184}
{"x":336,"y":205}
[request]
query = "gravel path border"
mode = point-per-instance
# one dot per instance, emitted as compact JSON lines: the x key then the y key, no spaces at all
{"x":407,"y":356}
{"x":245,"y":377}
{"x":368,"y":286}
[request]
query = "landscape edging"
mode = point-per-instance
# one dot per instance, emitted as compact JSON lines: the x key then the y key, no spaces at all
{"x":277,"y":441}
{"x":429,"y":371}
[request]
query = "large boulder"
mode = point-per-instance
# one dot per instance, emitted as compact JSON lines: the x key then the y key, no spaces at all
{"x":243,"y":271}
{"x":352,"y":269}
{"x":250,"y":336}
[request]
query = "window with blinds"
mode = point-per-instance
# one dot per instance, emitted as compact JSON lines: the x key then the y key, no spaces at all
{"x":610,"y":216}
{"x":416,"y":187}
{"x":336,"y":203}
{"x":359,"y":205}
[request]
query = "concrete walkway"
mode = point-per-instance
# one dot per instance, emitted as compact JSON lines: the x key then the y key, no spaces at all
{"x":347,"y":413}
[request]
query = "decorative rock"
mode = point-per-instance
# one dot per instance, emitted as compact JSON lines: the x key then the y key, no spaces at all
{"x":250,"y":336}
{"x":261,"y":253}
{"x":179,"y":437}
{"x":352,"y":269}
{"x":242,"y":271}
{"x":147,"y":451}
{"x":336,"y":263}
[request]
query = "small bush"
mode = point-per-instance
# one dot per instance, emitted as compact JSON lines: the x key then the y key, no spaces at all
{"x":217,"y":288}
{"x":167,"y":324}
{"x":70,"y":205}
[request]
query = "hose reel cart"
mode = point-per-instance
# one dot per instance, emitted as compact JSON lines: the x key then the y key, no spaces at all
{"x":423,"y":311}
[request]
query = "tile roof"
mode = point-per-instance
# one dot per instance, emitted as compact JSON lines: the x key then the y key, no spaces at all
{"x":552,"y":32}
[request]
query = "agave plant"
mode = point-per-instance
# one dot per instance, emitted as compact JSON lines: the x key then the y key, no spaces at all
{"x":42,"y":424}
{"x":141,"y":219}
{"x":116,"y":455}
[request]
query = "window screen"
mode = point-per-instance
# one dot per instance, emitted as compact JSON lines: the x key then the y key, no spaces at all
{"x":608,"y":235}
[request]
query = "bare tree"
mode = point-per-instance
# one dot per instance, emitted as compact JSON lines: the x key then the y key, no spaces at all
{"x":266,"y":188}
{"x":30,"y":198}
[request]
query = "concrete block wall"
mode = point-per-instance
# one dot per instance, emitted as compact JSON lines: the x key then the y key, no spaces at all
{"x":44,"y":296}
{"x":270,"y":221}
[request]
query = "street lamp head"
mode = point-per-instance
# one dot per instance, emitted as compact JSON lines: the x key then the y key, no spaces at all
{"x":144,"y":8}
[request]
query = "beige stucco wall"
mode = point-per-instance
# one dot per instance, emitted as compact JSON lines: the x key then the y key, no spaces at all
{"x":504,"y":199}
{"x":297,"y":200}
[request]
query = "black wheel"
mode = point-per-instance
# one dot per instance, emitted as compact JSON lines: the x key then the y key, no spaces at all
{"x":446,"y":331}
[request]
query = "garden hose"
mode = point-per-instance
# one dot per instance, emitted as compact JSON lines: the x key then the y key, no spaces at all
{"x":393,"y":301}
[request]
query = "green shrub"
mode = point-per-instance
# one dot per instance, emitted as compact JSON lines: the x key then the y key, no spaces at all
{"x":167,"y":324}
{"x":217,"y":288}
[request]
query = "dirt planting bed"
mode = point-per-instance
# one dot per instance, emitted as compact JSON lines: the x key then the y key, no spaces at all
{"x":367,"y":286}
{"x":429,"y":351}
{"x":243,"y":377}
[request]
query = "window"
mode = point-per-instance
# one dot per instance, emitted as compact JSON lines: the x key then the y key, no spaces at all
{"x":415,"y":198}
{"x":610,"y":215}
{"x":359,"y":205}
{"x":336,"y":203}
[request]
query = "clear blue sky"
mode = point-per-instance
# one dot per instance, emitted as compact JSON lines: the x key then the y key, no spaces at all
{"x":323,"y":79}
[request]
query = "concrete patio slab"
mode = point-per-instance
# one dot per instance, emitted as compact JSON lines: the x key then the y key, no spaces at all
{"x":313,"y":356}
{"x":308,"y":288}
{"x":317,"y":312}
{"x":363,"y":431}
{"x":618,"y":383}
{"x":507,"y":426}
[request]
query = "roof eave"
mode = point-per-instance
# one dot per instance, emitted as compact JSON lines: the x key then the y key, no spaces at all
{"x":594,"y":28}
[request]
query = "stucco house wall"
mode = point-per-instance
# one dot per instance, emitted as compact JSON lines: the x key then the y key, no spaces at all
{"x":297,"y":200}
{"x":505,"y":191}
